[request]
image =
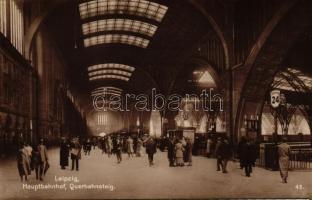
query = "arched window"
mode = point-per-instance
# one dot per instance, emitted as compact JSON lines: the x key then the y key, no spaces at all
{"x":155,"y":124}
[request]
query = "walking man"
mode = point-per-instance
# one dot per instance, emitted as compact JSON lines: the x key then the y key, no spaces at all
{"x":171,"y":151}
{"x":219,"y":153}
{"x":75,"y":153}
{"x":150,"y":150}
{"x":118,"y":149}
{"x":248,"y":156}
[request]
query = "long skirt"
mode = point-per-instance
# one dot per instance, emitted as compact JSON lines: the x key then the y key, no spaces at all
{"x":179,"y":160}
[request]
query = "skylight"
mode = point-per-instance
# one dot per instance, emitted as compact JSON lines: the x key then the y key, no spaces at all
{"x":110,"y":71}
{"x":150,"y":10}
{"x":206,"y":78}
{"x":107,"y":88}
{"x":116,"y":38}
{"x":109,"y":77}
{"x":111,"y":66}
{"x":203,"y":77}
{"x":105,"y":93}
{"x":114,"y":22}
{"x":119,"y":25}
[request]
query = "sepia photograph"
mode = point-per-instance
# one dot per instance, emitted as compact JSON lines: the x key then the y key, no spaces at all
{"x":155,"y":99}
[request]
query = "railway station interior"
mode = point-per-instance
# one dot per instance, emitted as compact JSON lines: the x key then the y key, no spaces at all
{"x":63,"y":64}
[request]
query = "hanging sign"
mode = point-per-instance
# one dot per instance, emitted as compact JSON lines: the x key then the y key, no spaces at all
{"x":275,"y":98}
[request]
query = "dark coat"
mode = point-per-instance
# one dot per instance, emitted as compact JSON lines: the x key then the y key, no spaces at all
{"x":117,"y":146}
{"x":64,"y":153}
{"x":223,"y":150}
{"x":188,"y":152}
{"x":170,"y":147}
{"x":151,"y":146}
{"x":248,"y":154}
{"x":35,"y":160}
{"x":87,"y":146}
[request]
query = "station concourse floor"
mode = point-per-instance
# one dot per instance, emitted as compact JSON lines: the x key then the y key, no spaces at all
{"x":133,"y":178}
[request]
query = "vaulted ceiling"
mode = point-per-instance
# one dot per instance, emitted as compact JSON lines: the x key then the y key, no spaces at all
{"x":146,"y":35}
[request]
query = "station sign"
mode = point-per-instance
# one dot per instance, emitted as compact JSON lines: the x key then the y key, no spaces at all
{"x":275,"y":98}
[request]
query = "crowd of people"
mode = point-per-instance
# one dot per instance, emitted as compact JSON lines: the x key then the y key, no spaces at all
{"x":32,"y":159}
{"x":179,"y":153}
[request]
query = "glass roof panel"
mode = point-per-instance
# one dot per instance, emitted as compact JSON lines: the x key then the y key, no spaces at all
{"x":108,"y":77}
{"x":142,"y":8}
{"x":116,"y":38}
{"x":105,"y":93}
{"x":111,"y":66}
{"x":108,"y":88}
{"x":110,"y":71}
{"x":119,"y":25}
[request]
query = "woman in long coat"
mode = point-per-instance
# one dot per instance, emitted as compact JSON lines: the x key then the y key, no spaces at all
{"x":64,"y":153}
{"x":23,"y":164}
{"x":108,"y":146}
{"x":179,"y":149}
{"x":284,"y":153}
{"x":130,"y":147}
{"x":138,"y":147}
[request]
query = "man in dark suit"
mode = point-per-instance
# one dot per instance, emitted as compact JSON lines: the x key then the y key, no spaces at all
{"x":171,"y":154}
{"x":248,"y":156}
{"x":151,"y":149}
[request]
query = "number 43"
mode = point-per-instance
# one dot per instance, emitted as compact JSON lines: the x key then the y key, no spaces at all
{"x":299,"y":187}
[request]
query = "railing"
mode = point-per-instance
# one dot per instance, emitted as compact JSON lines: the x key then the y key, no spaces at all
{"x":301,"y":159}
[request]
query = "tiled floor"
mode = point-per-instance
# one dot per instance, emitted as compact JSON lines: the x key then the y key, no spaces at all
{"x":133,"y":178}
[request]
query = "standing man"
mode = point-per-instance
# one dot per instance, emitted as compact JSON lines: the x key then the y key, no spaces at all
{"x":87,"y":146}
{"x":118,"y":149}
{"x":248,"y":156}
{"x":219,"y":154}
{"x":171,"y":151}
{"x":64,"y":153}
{"x":188,"y":151}
{"x":240,"y":151}
{"x":284,"y":153}
{"x":75,"y":153}
{"x":151,"y":150}
{"x":226,"y":154}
